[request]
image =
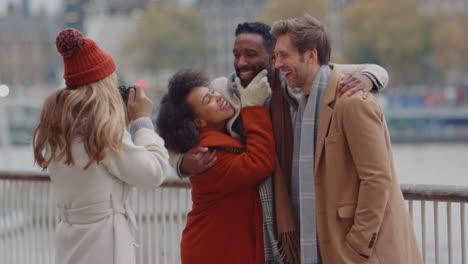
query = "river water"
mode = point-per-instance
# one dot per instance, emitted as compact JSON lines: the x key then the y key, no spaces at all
{"x":445,"y":164}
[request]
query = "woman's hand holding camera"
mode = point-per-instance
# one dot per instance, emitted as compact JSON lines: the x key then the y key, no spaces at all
{"x":256,"y":92}
{"x":139,"y":105}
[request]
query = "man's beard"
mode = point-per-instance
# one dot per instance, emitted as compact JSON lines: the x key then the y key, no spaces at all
{"x":255,"y":70}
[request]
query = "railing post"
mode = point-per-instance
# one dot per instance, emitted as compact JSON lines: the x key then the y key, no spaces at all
{"x":423,"y":229}
{"x":156,"y":226}
{"x":462,"y":220}
{"x":436,"y":231}
{"x":15,"y":220}
{"x":179,"y":215}
{"x":140,"y":231}
{"x":27,"y":242}
{"x":164,"y":228}
{"x":449,"y":231}
{"x":410,"y":205}
{"x":148,"y":230}
{"x":171,"y":223}
{"x":2,"y":192}
{"x":50,"y":224}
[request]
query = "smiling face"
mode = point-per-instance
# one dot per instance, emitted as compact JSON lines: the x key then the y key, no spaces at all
{"x":250,"y":56}
{"x":299,"y":68}
{"x":211,"y":109}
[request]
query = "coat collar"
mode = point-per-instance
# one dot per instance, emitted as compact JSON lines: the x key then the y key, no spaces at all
{"x":330,"y":93}
{"x":213,"y":138}
{"x":326,"y":111}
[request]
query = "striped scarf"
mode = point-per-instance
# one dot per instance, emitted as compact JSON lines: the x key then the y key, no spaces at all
{"x":302,"y":180}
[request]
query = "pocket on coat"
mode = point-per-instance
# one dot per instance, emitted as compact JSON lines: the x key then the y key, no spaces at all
{"x":354,"y":256}
{"x":346,"y":217}
{"x":332,"y":138}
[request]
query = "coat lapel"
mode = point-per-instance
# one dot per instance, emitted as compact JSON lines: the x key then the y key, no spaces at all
{"x":326,"y":112}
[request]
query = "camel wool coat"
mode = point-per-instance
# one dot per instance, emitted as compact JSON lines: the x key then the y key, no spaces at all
{"x":96,"y":224}
{"x":360,"y":209}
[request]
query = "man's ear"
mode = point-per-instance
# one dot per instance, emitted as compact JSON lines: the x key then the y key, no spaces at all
{"x":312,"y":56}
{"x":199,"y":123}
{"x":315,"y":55}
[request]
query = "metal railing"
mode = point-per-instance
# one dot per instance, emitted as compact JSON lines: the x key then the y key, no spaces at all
{"x":447,"y":242}
{"x":28,"y":218}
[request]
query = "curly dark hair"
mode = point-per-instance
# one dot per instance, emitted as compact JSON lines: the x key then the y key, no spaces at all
{"x":175,"y":119}
{"x":269,"y":41}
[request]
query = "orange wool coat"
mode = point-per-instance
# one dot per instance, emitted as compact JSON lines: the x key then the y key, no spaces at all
{"x":225,"y":223}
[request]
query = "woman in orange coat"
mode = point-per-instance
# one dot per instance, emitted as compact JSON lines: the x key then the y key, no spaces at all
{"x":225,"y":223}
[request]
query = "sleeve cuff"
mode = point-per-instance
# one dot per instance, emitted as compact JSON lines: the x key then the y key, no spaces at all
{"x":142,"y":122}
{"x":180,"y":174}
{"x":361,"y":243}
{"x":377,"y":86}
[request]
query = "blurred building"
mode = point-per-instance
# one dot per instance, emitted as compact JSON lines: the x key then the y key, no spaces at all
{"x":221,"y":19}
{"x":115,"y":7}
{"x":75,"y":12}
{"x":229,"y":3}
{"x":223,"y":16}
{"x":27,"y":55}
{"x":446,"y":6}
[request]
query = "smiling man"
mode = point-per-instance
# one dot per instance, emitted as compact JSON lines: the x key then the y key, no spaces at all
{"x":252,"y":52}
{"x":343,"y":185}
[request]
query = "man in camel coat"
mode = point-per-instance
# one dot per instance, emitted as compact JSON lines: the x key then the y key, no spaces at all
{"x":348,"y":201}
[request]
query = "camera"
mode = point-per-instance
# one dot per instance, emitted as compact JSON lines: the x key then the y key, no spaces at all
{"x":124,"y":92}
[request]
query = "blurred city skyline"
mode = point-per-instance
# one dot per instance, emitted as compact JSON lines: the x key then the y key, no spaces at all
{"x":36,"y":6}
{"x":421,"y":43}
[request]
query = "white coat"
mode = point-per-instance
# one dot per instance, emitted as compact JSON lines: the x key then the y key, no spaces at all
{"x":96,"y":224}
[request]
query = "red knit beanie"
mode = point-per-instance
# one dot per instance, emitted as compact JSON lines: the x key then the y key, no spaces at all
{"x":83,"y":60}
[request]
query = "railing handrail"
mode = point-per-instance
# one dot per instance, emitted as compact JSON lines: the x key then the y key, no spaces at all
{"x":423,"y":192}
{"x":427,"y":192}
{"x":24,"y":176}
{"x":35,"y":176}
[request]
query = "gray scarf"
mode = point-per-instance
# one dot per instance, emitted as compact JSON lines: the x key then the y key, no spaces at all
{"x":302,"y":180}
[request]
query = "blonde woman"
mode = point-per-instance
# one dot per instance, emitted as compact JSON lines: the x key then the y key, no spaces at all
{"x":82,"y":140}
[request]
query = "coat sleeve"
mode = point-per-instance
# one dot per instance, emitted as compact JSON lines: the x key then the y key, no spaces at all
{"x":375,"y":70}
{"x":365,"y":131}
{"x":143,"y":163}
{"x":235,"y":172}
{"x":175,"y":159}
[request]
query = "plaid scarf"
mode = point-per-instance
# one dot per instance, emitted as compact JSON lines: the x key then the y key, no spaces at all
{"x":302,"y":180}
{"x":235,"y":128}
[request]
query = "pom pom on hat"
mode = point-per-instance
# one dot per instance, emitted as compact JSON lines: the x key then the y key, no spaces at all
{"x":84,"y":62}
{"x":69,"y":41}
